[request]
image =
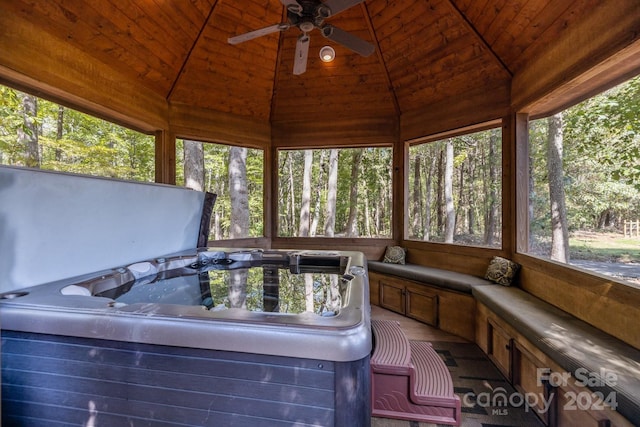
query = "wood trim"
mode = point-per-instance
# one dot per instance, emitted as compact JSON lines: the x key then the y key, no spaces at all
{"x":165,"y":158}
{"x":249,"y":242}
{"x":344,"y":133}
{"x":68,"y":76}
{"x":203,"y":124}
{"x":596,"y":51}
{"x":521,"y":176}
{"x":599,"y":300}
{"x":477,"y":127}
{"x":509,"y":226}
{"x":399,"y":180}
{"x":462,"y":259}
{"x":372,"y":248}
{"x":481,"y":106}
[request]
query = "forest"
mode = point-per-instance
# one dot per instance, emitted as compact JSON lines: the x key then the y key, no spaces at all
{"x":584,"y":174}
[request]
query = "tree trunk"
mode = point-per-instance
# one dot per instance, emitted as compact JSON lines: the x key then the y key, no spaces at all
{"x":450,"y":213}
{"x":440,"y":192}
{"x":193,"y":165}
{"x":333,"y":303}
{"x":470,"y":196}
{"x":28,"y":133}
{"x":238,"y":193}
{"x":305,"y":202}
{"x":426,"y":225}
{"x":492,"y":208}
{"x":292,"y":197}
{"x":319,"y":186}
{"x":531,"y":200}
{"x":367,"y":215}
{"x":237,"y":289}
{"x":308,"y":292}
{"x":239,"y":220}
{"x":332,"y":191}
{"x":352,"y":222}
{"x":463,"y":207}
{"x":59,"y":132}
{"x":559,"y":229}
{"x":417,"y":198}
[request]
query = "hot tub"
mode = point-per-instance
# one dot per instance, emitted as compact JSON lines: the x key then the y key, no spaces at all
{"x":208,"y":337}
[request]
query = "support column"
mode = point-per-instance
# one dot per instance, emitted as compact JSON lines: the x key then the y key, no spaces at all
{"x":165,"y":157}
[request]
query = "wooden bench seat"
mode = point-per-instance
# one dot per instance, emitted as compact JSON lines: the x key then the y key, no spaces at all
{"x":578,"y":348}
{"x":445,"y":279}
{"x":434,"y":296}
{"x":409,"y":380}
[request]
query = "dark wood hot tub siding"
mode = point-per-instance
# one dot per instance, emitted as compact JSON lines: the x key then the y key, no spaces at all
{"x":59,"y":381}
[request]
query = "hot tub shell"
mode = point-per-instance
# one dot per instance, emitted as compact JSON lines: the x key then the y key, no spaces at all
{"x":78,"y":359}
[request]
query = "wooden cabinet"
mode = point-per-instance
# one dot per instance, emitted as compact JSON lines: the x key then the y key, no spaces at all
{"x":421,"y":304}
{"x":451,"y":311}
{"x":562,"y":402}
{"x":528,"y":380}
{"x":499,"y":346}
{"x":409,"y":299}
{"x":392,"y":295}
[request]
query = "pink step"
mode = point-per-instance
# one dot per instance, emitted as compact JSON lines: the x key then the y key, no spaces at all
{"x":409,"y":380}
{"x":392,"y":354}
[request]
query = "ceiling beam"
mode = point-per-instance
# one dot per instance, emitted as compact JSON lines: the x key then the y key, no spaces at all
{"x":372,"y":32}
{"x":188,"y":56}
{"x":276,"y":71}
{"x":479,"y":37}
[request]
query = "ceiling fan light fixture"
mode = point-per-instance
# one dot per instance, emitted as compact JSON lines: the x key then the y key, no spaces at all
{"x":327,"y":54}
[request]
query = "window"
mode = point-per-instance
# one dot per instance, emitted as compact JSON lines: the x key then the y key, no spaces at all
{"x":335,"y":192}
{"x":585,"y":183}
{"x":455,"y":190}
{"x":236,"y":175}
{"x":41,"y":134}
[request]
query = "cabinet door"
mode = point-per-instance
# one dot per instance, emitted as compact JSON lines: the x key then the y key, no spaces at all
{"x":499,"y":347}
{"x":392,"y":295}
{"x":528,"y":381}
{"x":422,"y":305}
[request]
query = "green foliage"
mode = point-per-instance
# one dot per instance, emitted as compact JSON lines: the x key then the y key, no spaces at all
{"x":83,"y":144}
{"x":473,"y":188}
{"x":216,"y":180}
{"x":601,"y":161}
{"x":374,"y":191}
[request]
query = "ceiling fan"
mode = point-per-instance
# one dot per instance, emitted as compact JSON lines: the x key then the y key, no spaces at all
{"x":307,"y":15}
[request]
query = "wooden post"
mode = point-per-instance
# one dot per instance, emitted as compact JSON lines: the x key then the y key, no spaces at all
{"x":630,"y":227}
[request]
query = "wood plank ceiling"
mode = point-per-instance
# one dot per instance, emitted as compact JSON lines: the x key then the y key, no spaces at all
{"x":427,"y":51}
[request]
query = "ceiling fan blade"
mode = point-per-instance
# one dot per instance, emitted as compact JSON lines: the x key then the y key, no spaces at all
{"x":292,"y":6}
{"x":347,"y":40}
{"x":337,"y":6}
{"x":302,"y":51}
{"x":257,"y":33}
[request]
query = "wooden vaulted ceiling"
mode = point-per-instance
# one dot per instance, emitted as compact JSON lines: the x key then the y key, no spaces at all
{"x":427,"y":51}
